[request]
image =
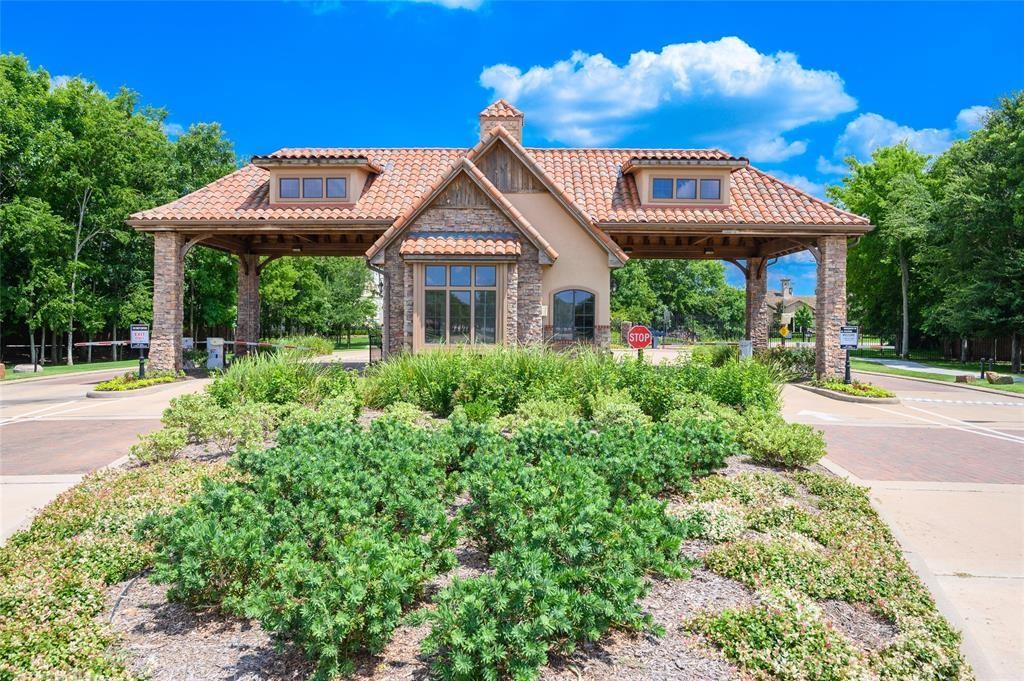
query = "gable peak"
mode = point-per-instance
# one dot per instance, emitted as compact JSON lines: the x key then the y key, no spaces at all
{"x":502,"y":113}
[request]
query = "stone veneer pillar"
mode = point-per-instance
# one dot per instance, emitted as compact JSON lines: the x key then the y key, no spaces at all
{"x":247,"y":315}
{"x":168,"y":301}
{"x":757,"y":321}
{"x":830,"y":312}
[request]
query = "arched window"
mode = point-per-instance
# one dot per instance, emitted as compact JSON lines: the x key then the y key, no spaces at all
{"x":573,"y":316}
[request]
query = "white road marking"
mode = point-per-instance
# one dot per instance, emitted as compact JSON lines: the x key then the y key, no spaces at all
{"x":8,"y":419}
{"x":986,"y":403}
{"x":1005,"y":438}
{"x":969,"y":425}
{"x":92,"y":403}
{"x":819,"y":415}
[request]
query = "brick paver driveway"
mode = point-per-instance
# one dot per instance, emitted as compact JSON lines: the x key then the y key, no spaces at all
{"x":946,"y":471}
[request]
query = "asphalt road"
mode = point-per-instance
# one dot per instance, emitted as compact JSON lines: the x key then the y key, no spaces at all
{"x":945,"y":468}
{"x":51,"y":435}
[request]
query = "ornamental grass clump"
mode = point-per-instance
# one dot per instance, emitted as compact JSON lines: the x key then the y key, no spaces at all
{"x":280,"y":378}
{"x":326,"y":538}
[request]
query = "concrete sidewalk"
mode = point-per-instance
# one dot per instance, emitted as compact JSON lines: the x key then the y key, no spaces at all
{"x":908,"y":365}
{"x":945,"y":473}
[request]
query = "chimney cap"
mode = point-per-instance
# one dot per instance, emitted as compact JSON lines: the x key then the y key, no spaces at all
{"x":501,"y":109}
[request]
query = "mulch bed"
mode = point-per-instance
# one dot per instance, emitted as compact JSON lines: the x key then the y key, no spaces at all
{"x":164,"y":640}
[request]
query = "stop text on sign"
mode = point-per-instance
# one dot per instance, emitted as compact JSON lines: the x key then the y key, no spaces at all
{"x":639,"y":336}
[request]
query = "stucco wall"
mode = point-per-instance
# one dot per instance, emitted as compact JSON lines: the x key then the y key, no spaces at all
{"x":581,"y":263}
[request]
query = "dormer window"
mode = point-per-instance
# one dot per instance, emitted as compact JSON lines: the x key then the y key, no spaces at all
{"x":686,"y":189}
{"x":313,"y":188}
{"x":337,"y":187}
{"x":289,"y":188}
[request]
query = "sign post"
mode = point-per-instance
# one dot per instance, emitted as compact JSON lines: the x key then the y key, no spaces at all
{"x":638,"y":338}
{"x":848,"y":340}
{"x":139,"y":335}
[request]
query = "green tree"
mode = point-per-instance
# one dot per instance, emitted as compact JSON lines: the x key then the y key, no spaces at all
{"x":975,"y":250}
{"x":890,"y":192}
{"x":803,"y":318}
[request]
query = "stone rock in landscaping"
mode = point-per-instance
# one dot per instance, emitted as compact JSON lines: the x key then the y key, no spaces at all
{"x":965,"y":378}
{"x":998,"y":379}
{"x":27,"y":368}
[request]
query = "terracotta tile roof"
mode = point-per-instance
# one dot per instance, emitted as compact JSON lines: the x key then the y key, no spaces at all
{"x":463,"y":166}
{"x":591,"y":178}
{"x":501,"y":109}
{"x":449,"y":243}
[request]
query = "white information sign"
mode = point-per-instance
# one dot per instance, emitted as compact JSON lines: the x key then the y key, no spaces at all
{"x":848,"y":337}
{"x":746,"y":349}
{"x":187,"y":343}
{"x":214,"y":353}
{"x":139,"y":335}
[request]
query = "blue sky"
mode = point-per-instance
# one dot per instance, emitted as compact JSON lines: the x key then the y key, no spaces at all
{"x":794,"y":86}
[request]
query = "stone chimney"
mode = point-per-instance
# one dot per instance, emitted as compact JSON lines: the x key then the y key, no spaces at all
{"x":504,"y":114}
{"x":787,"y":287}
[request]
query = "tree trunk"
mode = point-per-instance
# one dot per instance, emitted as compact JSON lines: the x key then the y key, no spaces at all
{"x":32,"y":345}
{"x":88,"y":350}
{"x":1015,"y":353}
{"x":113,"y":346}
{"x":963,"y":350}
{"x":905,"y":295}
{"x":55,"y":347}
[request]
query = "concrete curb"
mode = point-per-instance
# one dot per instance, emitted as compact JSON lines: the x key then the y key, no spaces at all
{"x":67,"y":374}
{"x":118,"y":394}
{"x":843,"y":397}
{"x":962,"y":386}
{"x":969,"y":646}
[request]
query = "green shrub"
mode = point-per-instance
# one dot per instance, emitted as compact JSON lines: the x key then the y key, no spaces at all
{"x":770,"y":439}
{"x":857,"y":388}
{"x":785,"y":636}
{"x":718,"y":521}
{"x":409,"y":414}
{"x":162,"y":445}
{"x":130,"y":381}
{"x":611,"y":409}
{"x":715,"y":355}
{"x":539,"y":409}
{"x":569,"y":561}
{"x":280,"y":378}
{"x":54,"y":575}
{"x":325,"y":538}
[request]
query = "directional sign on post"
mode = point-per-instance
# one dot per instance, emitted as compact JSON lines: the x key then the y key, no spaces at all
{"x":639,"y":337}
{"x":139,"y":334}
{"x":848,"y":337}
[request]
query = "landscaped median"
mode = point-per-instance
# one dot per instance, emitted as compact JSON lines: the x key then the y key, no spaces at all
{"x":509,"y":514}
{"x":854,"y":391}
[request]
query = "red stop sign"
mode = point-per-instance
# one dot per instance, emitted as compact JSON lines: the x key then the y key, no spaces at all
{"x":639,"y":336}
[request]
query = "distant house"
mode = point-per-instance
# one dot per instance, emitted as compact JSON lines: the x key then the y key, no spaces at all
{"x":790,"y":303}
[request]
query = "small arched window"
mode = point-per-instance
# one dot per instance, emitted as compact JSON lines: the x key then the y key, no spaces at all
{"x":573,"y":316}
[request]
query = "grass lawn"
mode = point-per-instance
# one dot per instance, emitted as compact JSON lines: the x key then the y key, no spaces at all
{"x":882,"y":369}
{"x":358,"y":342}
{"x":51,"y":370}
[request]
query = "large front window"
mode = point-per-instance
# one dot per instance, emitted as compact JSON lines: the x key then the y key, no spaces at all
{"x":460,"y":304}
{"x":574,"y":316}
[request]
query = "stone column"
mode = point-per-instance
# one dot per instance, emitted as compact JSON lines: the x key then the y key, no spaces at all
{"x":758,"y":319}
{"x":247,"y":315}
{"x":830,"y":312}
{"x":168,"y":301}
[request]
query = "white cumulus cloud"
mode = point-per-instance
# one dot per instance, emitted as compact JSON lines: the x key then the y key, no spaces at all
{"x":801,"y":182}
{"x":60,"y":81}
{"x":869,"y":131}
{"x":746,"y":101}
{"x":172,"y":129}
{"x":972,"y":118}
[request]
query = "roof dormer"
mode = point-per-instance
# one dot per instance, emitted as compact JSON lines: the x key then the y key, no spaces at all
{"x":313,"y":176}
{"x":684,"y":178}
